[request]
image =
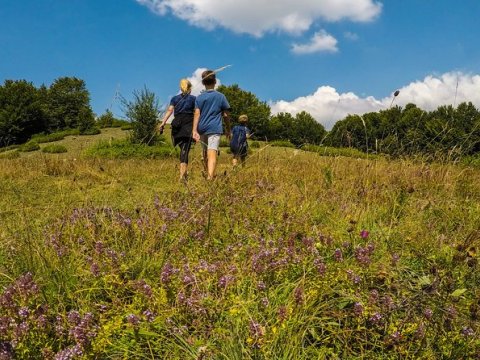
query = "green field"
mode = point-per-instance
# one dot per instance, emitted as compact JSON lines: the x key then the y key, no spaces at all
{"x":295,"y":256}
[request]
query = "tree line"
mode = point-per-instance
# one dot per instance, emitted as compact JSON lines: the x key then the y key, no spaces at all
{"x":26,"y":110}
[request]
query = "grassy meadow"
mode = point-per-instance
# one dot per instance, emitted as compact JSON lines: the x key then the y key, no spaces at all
{"x":294,"y":256}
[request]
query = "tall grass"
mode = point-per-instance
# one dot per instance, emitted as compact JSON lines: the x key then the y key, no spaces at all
{"x":295,"y":256}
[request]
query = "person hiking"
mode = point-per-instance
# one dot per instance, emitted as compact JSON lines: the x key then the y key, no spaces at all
{"x":182,"y":106}
{"x":238,"y":140}
{"x":210,"y":106}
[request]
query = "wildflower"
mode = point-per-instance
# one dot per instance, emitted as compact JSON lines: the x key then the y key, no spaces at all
{"x":395,"y":258}
{"x":320,"y":265}
{"x":264,"y":302}
{"x":420,"y":332}
{"x":451,"y":312}
{"x":428,"y":313}
{"x":299,"y":295}
{"x":133,"y":320}
{"x":376,"y":318}
{"x":149,"y":316}
{"x":364,"y":234}
{"x":23,"y":312}
{"x":373,"y":296}
{"x":256,"y":330}
{"x":261,"y":286}
{"x":167,"y":272}
{"x":282,"y":313}
{"x":338,"y":256}
{"x":358,"y":309}
{"x":467,"y":331}
{"x":69,"y":353}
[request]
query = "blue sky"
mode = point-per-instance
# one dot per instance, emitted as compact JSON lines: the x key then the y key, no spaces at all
{"x":328,"y":57}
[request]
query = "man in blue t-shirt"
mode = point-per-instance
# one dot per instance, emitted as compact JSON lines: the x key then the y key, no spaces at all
{"x":210,"y":106}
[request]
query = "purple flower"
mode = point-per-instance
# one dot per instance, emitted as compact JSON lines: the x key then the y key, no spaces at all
{"x":23,"y":312}
{"x":395,"y":258}
{"x":467,"y":331}
{"x":69,"y":353}
{"x":420,"y":332}
{"x":364,"y":234}
{"x":149,"y":316}
{"x":264,"y":302}
{"x":299,"y":295}
{"x":261,"y":286}
{"x":428,"y":313}
{"x":320,"y":265}
{"x":376,"y":318}
{"x":338,"y":256}
{"x":133,"y":320}
{"x":256,"y":329}
{"x":358,"y":309}
{"x":282,"y":313}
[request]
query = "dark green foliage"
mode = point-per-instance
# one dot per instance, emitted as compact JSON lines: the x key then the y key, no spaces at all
{"x":86,"y":122}
{"x":143,"y":113}
{"x":245,"y":102}
{"x":21,"y":112}
{"x":54,"y":149}
{"x":29,"y":146}
{"x":107,"y":120}
{"x":443,"y":132}
{"x":282,"y":143}
{"x":56,"y":136}
{"x":68,"y":103}
{"x":299,"y":130}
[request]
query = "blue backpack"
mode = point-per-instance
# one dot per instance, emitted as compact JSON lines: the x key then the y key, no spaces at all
{"x":239,"y":138}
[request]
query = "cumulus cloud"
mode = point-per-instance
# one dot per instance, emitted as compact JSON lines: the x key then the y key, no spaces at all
{"x":196,"y":80}
{"x":320,"y":42}
{"x":256,"y":17}
{"x":327,"y":106}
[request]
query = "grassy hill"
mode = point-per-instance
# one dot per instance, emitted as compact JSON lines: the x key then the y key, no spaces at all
{"x":294,"y":256}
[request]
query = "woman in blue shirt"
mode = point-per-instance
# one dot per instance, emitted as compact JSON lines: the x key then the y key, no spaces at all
{"x":182,"y":106}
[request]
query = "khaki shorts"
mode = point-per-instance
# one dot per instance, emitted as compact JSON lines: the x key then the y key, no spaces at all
{"x":210,"y":141}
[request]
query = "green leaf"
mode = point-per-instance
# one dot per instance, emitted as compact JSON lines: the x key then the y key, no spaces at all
{"x":458,"y":292}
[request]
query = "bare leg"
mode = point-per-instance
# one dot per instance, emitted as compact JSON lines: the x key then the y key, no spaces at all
{"x":183,"y":171}
{"x":212,"y":163}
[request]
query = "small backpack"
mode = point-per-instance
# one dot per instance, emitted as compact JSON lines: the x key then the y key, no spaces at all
{"x":239,"y":138}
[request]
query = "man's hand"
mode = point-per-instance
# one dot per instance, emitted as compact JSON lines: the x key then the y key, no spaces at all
{"x":196,"y":136}
{"x":160,"y":129}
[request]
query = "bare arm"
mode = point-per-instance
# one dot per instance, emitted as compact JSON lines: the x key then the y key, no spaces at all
{"x":196,"y":118}
{"x":166,"y":116}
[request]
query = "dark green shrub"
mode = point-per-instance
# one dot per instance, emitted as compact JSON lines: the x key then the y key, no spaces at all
{"x":143,"y":114}
{"x":54,"y":149}
{"x":91,"y":131}
{"x":282,"y":143}
{"x":30,"y":146}
{"x":254,"y":144}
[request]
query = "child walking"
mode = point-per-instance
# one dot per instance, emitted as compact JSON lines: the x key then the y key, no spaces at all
{"x":238,"y":143}
{"x":210,"y":107}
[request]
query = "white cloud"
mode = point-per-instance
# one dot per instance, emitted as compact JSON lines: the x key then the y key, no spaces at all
{"x":320,"y":41}
{"x":256,"y":17}
{"x":196,"y":80}
{"x":350,"y":36}
{"x":327,"y":106}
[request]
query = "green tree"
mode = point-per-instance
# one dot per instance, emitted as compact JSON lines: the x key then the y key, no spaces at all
{"x":68,"y":97}
{"x":245,"y":102}
{"x":306,"y":130}
{"x":106,"y":120}
{"x":21,"y":113}
{"x":281,"y":126}
{"x":143,"y":113}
